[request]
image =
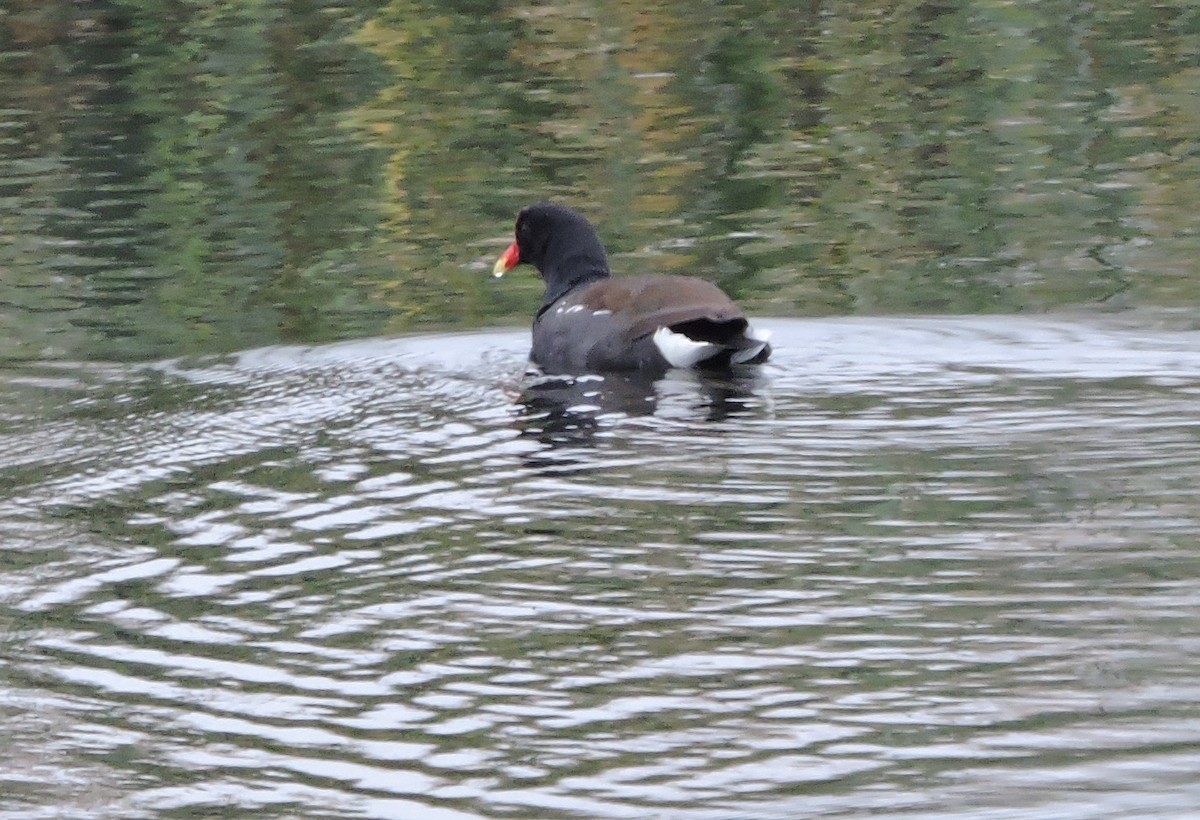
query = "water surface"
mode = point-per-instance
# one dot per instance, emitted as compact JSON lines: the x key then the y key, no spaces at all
{"x":262,"y":553}
{"x":913,"y":567}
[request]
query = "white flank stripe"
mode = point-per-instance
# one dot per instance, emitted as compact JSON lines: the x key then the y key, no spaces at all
{"x":679,"y":350}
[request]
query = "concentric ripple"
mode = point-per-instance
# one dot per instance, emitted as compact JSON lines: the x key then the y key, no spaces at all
{"x":913,"y":567}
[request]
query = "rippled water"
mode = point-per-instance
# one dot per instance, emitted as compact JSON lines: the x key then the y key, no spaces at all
{"x":918,"y":567}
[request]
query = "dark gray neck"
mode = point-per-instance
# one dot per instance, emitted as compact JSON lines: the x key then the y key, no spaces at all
{"x":571,"y":273}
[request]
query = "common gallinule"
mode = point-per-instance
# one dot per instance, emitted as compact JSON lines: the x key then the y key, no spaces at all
{"x":592,"y":323}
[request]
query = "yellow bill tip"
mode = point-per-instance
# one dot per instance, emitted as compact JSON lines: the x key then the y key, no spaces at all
{"x":507,"y":261}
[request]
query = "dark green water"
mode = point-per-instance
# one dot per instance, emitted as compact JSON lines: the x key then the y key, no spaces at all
{"x":286,"y":532}
{"x":183,"y":179}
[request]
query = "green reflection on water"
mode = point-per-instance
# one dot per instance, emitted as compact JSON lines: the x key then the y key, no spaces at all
{"x":207,"y":178}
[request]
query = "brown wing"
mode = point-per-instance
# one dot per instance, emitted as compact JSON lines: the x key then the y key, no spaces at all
{"x":642,"y":304}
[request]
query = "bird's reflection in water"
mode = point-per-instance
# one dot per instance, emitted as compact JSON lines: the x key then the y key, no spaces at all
{"x":565,"y":412}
